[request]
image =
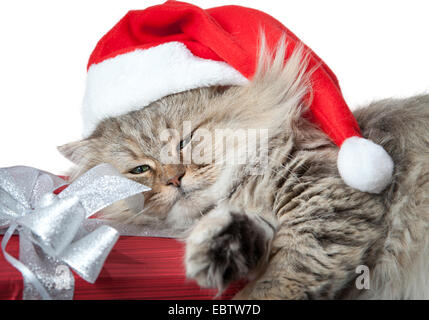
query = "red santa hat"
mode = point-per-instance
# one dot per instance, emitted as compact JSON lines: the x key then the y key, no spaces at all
{"x":176,"y":46}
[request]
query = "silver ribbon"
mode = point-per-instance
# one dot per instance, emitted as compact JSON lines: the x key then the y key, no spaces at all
{"x":53,"y":238}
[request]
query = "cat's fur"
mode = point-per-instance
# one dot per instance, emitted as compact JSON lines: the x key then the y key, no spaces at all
{"x":296,"y":230}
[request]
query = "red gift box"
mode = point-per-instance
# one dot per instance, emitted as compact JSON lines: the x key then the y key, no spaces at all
{"x":136,"y":268}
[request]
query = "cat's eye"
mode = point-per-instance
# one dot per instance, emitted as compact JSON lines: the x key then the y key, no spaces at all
{"x":140,"y":169}
{"x":184,"y":142}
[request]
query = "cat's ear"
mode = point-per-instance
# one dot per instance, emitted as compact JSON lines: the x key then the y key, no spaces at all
{"x":76,"y":151}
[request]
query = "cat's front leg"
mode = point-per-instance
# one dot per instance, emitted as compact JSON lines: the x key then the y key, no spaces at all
{"x":225,"y":246}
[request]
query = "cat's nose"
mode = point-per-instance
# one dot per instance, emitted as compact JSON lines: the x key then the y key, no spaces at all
{"x":176,"y":179}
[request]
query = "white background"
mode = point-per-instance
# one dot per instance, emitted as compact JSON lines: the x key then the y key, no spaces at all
{"x":376,"y":48}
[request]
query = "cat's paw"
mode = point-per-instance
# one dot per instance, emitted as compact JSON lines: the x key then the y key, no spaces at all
{"x":225,"y":247}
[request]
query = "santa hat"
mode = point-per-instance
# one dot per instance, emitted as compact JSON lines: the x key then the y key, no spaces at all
{"x":176,"y":46}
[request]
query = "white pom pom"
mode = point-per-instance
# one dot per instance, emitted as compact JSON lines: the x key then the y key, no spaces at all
{"x":364,"y":165}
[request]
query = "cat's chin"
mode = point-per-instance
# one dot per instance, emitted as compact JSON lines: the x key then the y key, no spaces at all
{"x":187,"y":209}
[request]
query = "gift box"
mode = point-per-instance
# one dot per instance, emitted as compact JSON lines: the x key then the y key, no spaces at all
{"x":136,"y":268}
{"x":54,"y":248}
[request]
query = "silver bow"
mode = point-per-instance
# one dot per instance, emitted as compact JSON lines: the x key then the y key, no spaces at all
{"x":51,"y":227}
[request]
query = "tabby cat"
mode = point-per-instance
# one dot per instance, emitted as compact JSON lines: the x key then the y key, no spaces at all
{"x":286,"y":222}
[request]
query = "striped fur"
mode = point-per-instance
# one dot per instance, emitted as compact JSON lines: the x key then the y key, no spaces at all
{"x":296,"y":230}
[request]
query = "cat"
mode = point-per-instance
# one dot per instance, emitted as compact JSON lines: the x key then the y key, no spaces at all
{"x":292,"y":227}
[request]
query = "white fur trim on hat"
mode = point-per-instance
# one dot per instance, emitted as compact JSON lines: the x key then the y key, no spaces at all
{"x":135,"y":79}
{"x":364,"y":165}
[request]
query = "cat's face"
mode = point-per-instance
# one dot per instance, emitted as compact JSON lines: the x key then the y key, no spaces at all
{"x":164,"y":146}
